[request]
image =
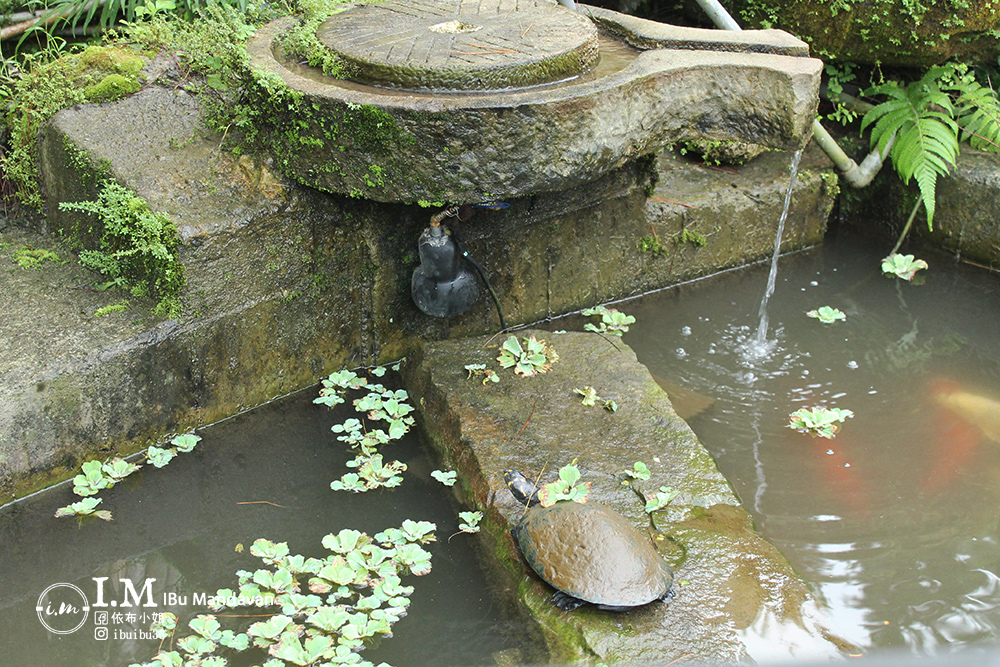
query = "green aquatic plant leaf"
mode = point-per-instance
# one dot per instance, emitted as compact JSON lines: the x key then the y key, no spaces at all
{"x":185,"y":442}
{"x":91,"y":479}
{"x":639,"y":471}
{"x":269,"y":552}
{"x":446,"y":477}
{"x":902,"y":266}
{"x":827,"y":315}
{"x":470,"y":521}
{"x":118,"y":469}
{"x":160,"y":457}
{"x":823,"y":422}
{"x":534,"y":358}
{"x":612,"y":321}
{"x":567,"y":487}
{"x":85,"y":507}
{"x":660,"y":499}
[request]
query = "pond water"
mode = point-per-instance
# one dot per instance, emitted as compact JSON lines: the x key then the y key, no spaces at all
{"x":181,"y":525}
{"x":894,"y":522}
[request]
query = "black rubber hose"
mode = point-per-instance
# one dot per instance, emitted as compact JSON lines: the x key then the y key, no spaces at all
{"x":486,"y":281}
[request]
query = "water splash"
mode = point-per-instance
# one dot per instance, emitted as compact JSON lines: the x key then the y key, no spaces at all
{"x":759,"y":347}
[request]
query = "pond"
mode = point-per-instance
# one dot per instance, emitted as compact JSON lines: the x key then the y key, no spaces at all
{"x":894,"y":522}
{"x":181,"y":525}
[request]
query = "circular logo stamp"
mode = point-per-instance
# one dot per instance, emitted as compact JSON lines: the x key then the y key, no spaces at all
{"x":62,"y":608}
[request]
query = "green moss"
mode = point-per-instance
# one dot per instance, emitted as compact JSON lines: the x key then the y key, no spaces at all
{"x":49,"y":86}
{"x":110,"y":88}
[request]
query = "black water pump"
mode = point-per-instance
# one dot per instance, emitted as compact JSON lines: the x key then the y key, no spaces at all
{"x":442,"y":285}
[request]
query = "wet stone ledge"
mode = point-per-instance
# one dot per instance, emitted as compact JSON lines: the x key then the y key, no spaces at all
{"x":729,"y":582}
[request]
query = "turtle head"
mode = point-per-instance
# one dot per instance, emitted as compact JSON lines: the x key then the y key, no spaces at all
{"x":522,"y":488}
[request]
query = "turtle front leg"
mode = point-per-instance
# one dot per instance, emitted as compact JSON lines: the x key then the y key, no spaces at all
{"x":565,"y":601}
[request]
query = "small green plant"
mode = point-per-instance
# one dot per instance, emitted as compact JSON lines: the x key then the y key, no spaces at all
{"x":489,"y":375}
{"x":446,"y":477}
{"x":33,"y":258}
{"x":137,"y":249}
{"x":534,"y":358}
{"x":697,"y":239}
{"x":639,"y":471}
{"x":823,"y":422}
{"x":470,"y":521}
{"x":567,"y":487}
{"x":902,"y":266}
{"x":111,"y":308}
{"x":590,"y":397}
{"x":91,"y":479}
{"x":651,"y":244}
{"x":612,"y":321}
{"x":827,"y":315}
{"x":660,"y":499}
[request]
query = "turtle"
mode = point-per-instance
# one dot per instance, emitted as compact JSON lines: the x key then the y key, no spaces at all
{"x":588,"y":552}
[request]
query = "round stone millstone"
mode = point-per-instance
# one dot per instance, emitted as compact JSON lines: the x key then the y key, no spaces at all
{"x":462,"y":45}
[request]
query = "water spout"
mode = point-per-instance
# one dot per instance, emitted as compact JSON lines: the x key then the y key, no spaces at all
{"x":759,"y":346}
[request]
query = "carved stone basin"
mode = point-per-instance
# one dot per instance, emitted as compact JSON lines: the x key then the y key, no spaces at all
{"x":465,"y":100}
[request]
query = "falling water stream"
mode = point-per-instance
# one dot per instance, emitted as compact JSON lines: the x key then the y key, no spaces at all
{"x":758,"y":347}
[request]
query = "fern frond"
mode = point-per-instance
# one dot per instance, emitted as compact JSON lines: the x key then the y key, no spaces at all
{"x":979,"y":116}
{"x":921,"y":117}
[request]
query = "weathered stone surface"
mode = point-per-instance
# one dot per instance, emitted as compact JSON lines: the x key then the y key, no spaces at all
{"x":461,"y":45}
{"x":287,"y":284}
{"x":890,"y":32}
{"x":966,"y":215}
{"x":470,"y":147}
{"x":727,"y":576}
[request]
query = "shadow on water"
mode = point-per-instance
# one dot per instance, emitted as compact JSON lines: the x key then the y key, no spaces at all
{"x":895,"y":521}
{"x":181,"y":526}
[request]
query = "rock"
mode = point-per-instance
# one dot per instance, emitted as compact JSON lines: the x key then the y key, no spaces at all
{"x":890,"y":32}
{"x":726,"y":576}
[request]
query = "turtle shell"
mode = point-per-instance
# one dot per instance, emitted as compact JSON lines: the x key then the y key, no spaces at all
{"x":593,"y":553}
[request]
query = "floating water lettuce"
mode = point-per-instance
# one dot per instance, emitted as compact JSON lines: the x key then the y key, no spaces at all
{"x":355,"y":595}
{"x":823,"y":422}
{"x":827,"y":315}
{"x":446,"y":477}
{"x":639,"y":471}
{"x":902,"y":266}
{"x":660,"y":499}
{"x":565,"y":488}
{"x":613,"y":321}
{"x":534,"y":358}
{"x":470,"y":521}
{"x":85,"y":507}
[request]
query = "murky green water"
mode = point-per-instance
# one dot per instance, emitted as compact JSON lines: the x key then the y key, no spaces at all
{"x":895,"y":521}
{"x":181,"y":525}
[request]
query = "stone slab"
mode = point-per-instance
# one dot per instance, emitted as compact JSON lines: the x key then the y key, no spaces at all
{"x":727,"y":577}
{"x":473,"y":147}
